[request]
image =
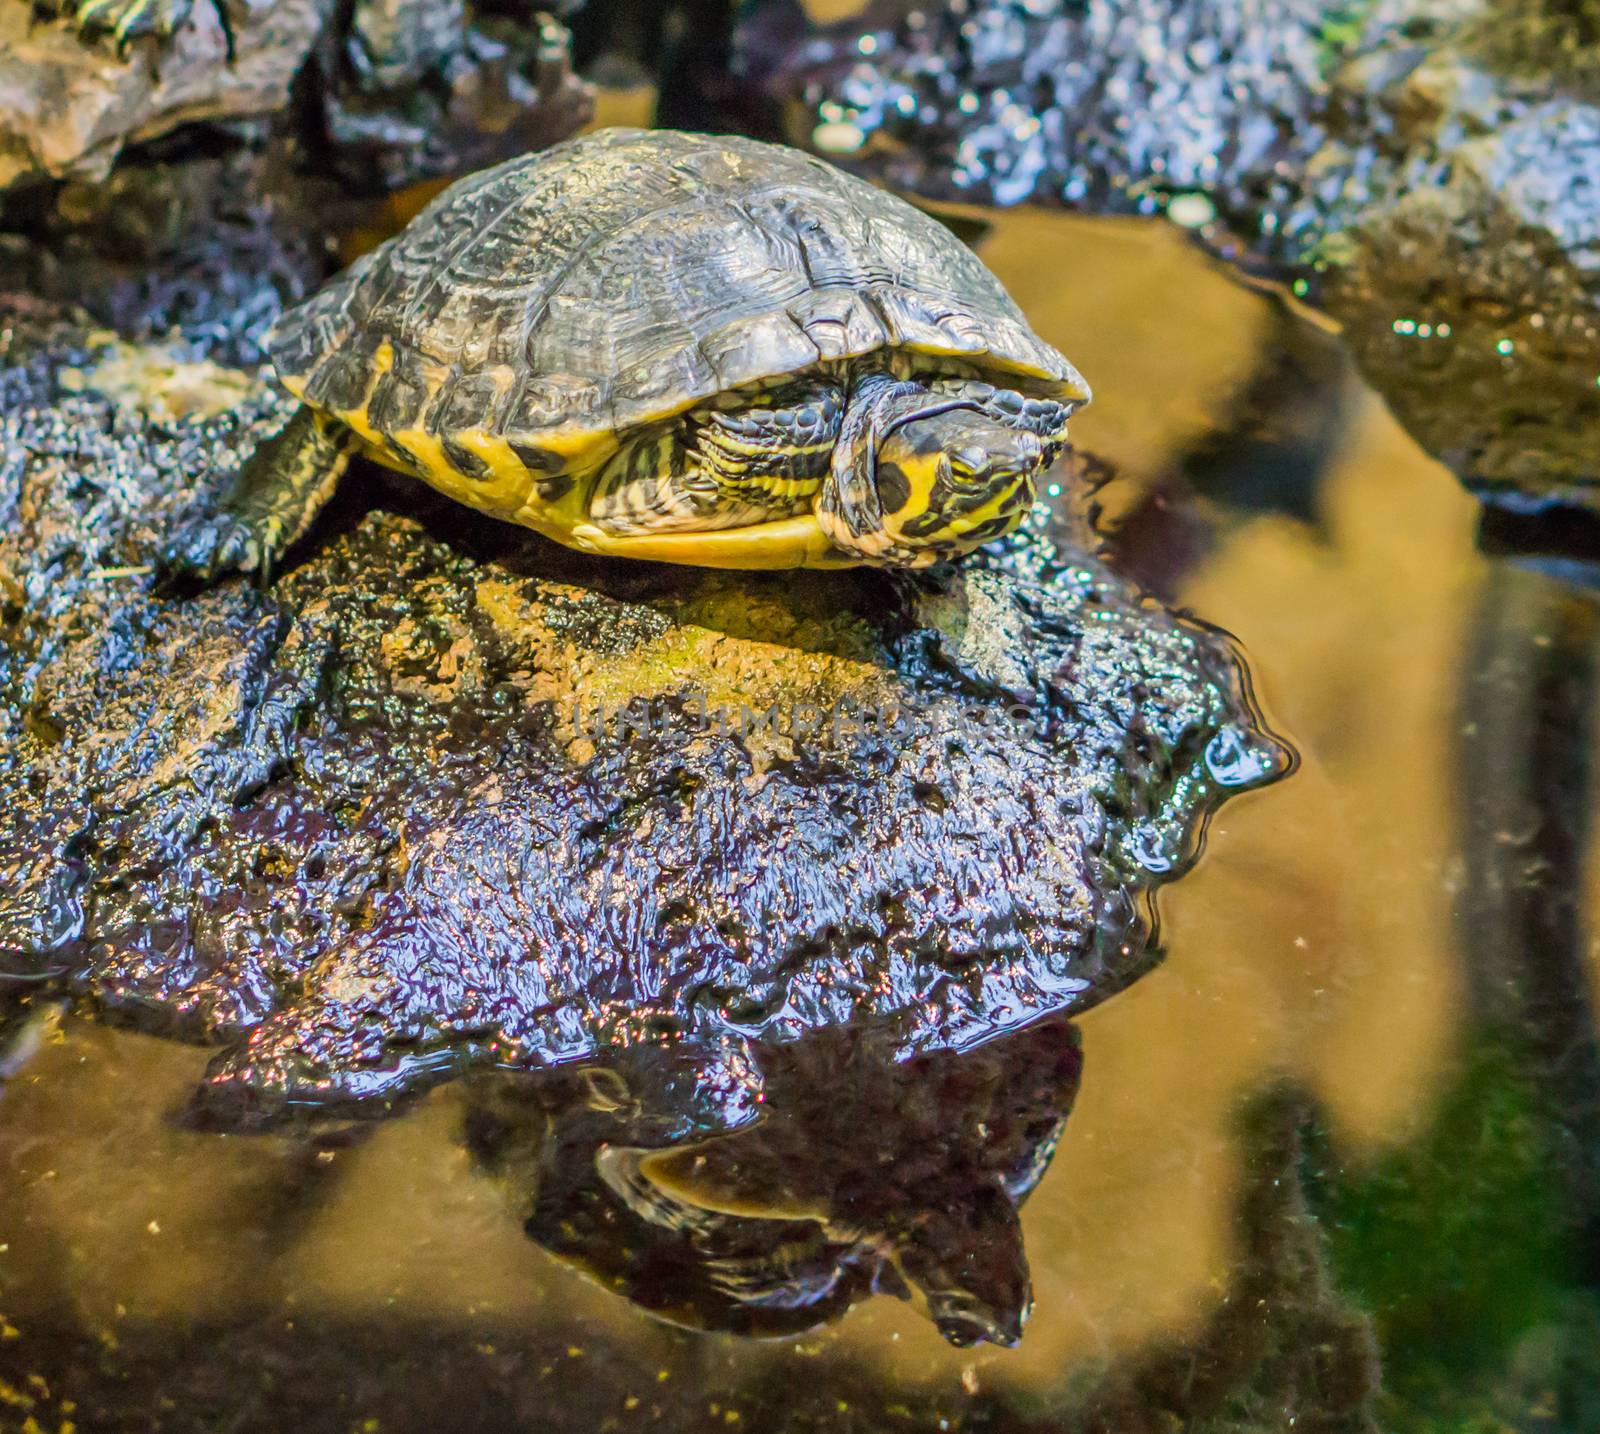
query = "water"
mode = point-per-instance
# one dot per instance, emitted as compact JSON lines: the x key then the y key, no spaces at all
{"x":1332,"y":1165}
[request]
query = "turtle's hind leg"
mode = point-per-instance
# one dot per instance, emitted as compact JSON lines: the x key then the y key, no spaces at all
{"x":280,"y":489}
{"x":654,"y":485}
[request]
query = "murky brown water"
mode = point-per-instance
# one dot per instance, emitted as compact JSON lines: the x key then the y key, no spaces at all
{"x":1349,"y":1122}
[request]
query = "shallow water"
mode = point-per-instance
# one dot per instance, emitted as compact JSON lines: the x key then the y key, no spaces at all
{"x":1333,"y":1162}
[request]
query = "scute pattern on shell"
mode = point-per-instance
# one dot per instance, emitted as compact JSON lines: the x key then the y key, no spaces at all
{"x":627,"y":274}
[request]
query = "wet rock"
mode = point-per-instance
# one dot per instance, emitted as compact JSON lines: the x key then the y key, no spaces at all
{"x":866,"y":1174}
{"x":1464,"y":262}
{"x":1106,"y":105}
{"x":1428,"y":173}
{"x":446,"y":797}
{"x":69,"y":103}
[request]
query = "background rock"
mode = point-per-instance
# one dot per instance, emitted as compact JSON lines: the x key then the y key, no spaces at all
{"x":68,"y":105}
{"x":395,"y":92}
{"x":421,"y":89}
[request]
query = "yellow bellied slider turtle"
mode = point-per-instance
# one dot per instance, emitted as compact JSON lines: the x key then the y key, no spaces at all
{"x":680,"y":347}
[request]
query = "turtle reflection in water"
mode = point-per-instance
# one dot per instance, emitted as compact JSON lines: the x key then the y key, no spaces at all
{"x":863,"y":1175}
{"x":668,"y":346}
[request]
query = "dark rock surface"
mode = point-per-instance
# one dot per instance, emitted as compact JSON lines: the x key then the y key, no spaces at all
{"x":1429,"y":173}
{"x":368,"y":829}
{"x":213,"y":244}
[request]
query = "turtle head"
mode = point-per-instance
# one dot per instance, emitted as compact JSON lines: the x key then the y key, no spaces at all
{"x":933,"y":482}
{"x":954,"y":480}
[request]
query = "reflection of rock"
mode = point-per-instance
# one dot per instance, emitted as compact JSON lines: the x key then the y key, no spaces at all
{"x":23,"y":1025}
{"x":1527,"y":843}
{"x":386,"y":1284}
{"x":1431,"y":174}
{"x":68,"y":106}
{"x":862,"y":1175}
{"x":364,"y":829}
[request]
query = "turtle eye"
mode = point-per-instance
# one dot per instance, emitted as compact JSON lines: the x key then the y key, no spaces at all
{"x":969,"y":462}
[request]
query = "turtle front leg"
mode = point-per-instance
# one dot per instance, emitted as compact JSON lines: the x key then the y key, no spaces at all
{"x":280,"y":489}
{"x":724,"y":468}
{"x":1045,"y":418}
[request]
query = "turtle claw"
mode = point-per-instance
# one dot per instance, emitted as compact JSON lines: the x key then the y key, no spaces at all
{"x":278,"y":492}
{"x":215,"y":545}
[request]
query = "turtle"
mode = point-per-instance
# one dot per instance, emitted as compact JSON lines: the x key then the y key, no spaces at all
{"x":684,"y":348}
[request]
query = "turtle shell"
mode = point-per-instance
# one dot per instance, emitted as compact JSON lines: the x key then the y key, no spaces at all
{"x":544,"y":306}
